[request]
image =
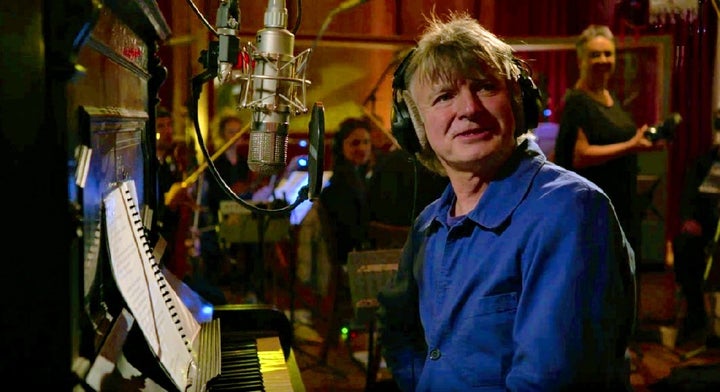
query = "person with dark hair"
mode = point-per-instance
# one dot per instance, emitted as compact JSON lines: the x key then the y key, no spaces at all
{"x":400,"y":188}
{"x":597,"y":137}
{"x":518,"y":277}
{"x":344,"y":215}
{"x":699,"y":213}
{"x":344,"y":199}
{"x":172,"y":204}
{"x":219,"y":259}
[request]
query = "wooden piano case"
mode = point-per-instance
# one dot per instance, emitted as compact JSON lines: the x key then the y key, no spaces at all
{"x":110,"y":108}
{"x":79,"y":87}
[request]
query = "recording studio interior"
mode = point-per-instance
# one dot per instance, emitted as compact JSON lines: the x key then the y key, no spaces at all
{"x":137,"y":287}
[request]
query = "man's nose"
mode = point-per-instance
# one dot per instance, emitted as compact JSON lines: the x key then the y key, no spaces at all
{"x":469,"y":102}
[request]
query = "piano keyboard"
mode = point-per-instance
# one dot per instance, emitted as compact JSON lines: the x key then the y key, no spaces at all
{"x":251,"y":364}
{"x":207,"y":354}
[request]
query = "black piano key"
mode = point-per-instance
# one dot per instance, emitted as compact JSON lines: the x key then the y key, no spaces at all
{"x":240,"y":365}
{"x":241,"y":377}
{"x":243,"y":360}
{"x":234,"y":387}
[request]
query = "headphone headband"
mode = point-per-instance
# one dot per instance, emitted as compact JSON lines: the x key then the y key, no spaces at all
{"x":398,"y":82}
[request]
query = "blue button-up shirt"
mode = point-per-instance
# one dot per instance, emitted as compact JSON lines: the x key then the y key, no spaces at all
{"x":533,"y":290}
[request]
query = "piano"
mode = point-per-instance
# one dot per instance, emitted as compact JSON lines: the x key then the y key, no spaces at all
{"x":256,"y":355}
{"x":90,"y":82}
{"x":242,"y":348}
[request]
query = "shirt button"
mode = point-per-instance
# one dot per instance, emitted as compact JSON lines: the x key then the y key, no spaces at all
{"x":434,"y":354}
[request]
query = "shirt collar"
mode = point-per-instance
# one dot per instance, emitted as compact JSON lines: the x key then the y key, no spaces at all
{"x":502,"y":195}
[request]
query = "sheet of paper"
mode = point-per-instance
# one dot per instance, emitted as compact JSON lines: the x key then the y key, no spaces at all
{"x":139,"y":281}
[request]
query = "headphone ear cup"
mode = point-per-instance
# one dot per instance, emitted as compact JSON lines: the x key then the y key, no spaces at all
{"x":402,"y":127}
{"x":531,"y":101}
{"x":401,"y":124}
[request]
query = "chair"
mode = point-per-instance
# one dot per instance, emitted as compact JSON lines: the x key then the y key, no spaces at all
{"x":320,"y":277}
{"x":385,"y":236}
{"x":369,"y":271}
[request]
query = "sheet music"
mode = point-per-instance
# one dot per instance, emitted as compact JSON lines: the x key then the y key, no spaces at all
{"x":139,"y":282}
{"x":189,"y":326}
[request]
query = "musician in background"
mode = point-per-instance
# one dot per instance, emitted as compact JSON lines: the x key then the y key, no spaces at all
{"x":345,"y":210}
{"x":345,"y":197}
{"x":398,"y":189}
{"x":171,"y":210}
{"x":225,"y":264}
{"x":699,"y":203}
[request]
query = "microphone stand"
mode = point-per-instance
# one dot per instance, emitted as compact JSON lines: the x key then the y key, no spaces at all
{"x":371,"y":98}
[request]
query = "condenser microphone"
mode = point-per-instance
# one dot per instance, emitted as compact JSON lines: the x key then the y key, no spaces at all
{"x":274,"y":85}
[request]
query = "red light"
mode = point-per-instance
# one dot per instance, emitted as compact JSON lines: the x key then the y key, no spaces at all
{"x":244,"y":61}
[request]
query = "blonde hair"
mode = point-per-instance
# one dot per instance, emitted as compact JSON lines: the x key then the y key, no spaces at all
{"x":588,"y":34}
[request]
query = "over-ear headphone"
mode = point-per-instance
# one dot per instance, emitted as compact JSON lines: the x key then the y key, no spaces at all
{"x":531,"y":99}
{"x":401,"y":122}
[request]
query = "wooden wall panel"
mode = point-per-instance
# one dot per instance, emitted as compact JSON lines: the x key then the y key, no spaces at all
{"x":360,"y":45}
{"x":411,"y":16}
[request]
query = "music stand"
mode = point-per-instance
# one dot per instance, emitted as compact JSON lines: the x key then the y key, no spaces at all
{"x":239,"y":225}
{"x":286,"y":188}
{"x":369,"y":271}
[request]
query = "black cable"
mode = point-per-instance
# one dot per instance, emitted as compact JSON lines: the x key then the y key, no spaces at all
{"x":202,"y":17}
{"x":414,"y":161}
{"x":298,"y":17}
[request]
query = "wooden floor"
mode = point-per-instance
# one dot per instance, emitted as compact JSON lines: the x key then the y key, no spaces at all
{"x":685,"y":366}
{"x":657,"y":367}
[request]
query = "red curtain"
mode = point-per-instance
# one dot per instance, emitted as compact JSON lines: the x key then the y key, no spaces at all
{"x":691,"y":96}
{"x":691,"y":75}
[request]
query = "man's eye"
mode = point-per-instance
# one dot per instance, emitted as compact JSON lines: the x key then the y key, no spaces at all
{"x":442,"y":97}
{"x":487,"y":86}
